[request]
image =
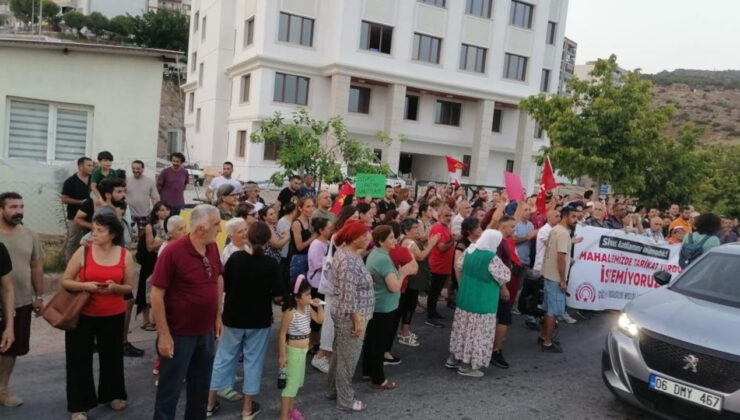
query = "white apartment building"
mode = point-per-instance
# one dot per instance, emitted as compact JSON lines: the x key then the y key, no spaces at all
{"x":567,"y":65}
{"x":444,"y":75}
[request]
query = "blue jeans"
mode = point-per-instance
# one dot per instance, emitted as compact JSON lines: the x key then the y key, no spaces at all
{"x":251,"y":342}
{"x":193,"y":361}
{"x":175,"y":210}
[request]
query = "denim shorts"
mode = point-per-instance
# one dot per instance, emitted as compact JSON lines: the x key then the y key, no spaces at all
{"x":554,"y":298}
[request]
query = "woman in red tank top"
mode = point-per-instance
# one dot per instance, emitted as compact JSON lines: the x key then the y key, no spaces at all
{"x":106,"y":270}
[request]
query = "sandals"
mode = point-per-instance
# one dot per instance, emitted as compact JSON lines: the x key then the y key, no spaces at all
{"x":386,"y":385}
{"x":118,"y":405}
{"x":149,"y":326}
{"x":211,"y":411}
{"x":79,"y":416}
{"x":357,"y":407}
{"x":230,"y":394}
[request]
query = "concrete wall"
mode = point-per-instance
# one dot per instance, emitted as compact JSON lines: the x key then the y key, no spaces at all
{"x":123,"y":93}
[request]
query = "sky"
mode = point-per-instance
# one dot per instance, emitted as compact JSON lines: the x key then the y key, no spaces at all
{"x":656,"y":35}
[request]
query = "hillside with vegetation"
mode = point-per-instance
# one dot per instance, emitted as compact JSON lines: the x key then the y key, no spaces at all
{"x":709,"y":99}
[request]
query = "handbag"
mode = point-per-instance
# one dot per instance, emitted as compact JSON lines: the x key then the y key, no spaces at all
{"x":326,"y":283}
{"x":63,"y":310}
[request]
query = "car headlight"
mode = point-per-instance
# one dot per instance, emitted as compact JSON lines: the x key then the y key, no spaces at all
{"x":627,"y":326}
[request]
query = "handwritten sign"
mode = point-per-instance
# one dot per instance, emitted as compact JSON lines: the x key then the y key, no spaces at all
{"x":370,"y":185}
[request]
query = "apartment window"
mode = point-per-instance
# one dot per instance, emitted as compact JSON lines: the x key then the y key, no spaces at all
{"x":466,"y":160}
{"x":472,"y":58}
{"x":295,"y":29}
{"x":174,"y":142}
{"x":411,"y":108}
{"x":515,"y":67}
{"x":45,"y":131}
{"x":193,"y":61}
{"x":378,"y":154}
{"x":359,"y":99}
{"x":197,"y":121}
{"x":191,"y":102}
{"x":203,"y":30}
{"x":244,"y":88}
{"x":521,"y":14}
{"x":551,"y":26}
{"x":509,"y":165}
{"x":537,"y":130}
{"x":249,"y":31}
{"x":426,"y":48}
{"x":196,"y":20}
{"x":271,"y":151}
{"x":200,"y":75}
{"x":497,"y":115}
{"x":291,"y":89}
{"x":438,"y":3}
{"x":545,"y":81}
{"x":480,"y":8}
{"x":447,"y":113}
{"x":241,"y":143}
{"x":376,"y":37}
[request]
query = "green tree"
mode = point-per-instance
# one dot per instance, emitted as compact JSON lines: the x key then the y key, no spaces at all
{"x":24,"y":10}
{"x":122,"y":26}
{"x":75,"y":21}
{"x":97,"y":23}
{"x":606,"y":129}
{"x":719,"y":190}
{"x":670,"y":178}
{"x":161,"y":29}
{"x":321,"y":148}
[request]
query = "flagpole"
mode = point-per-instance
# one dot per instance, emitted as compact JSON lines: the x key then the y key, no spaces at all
{"x":41,"y":14}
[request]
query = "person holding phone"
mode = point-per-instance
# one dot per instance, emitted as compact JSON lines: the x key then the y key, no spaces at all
{"x":105,"y":269}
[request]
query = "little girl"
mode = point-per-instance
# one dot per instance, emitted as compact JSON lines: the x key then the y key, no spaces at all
{"x":293,"y":342}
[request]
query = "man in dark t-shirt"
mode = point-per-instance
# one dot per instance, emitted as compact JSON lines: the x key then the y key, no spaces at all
{"x":75,"y":190}
{"x":290,"y":192}
{"x":386,"y":203}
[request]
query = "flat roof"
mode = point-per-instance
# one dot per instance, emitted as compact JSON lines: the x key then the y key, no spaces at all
{"x":48,"y":43}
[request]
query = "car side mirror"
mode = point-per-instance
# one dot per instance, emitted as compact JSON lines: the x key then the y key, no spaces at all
{"x":662,"y":277}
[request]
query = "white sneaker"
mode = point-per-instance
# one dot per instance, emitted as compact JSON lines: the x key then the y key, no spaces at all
{"x":515,"y":311}
{"x":468,"y":371}
{"x":321,"y":364}
{"x":567,"y":318}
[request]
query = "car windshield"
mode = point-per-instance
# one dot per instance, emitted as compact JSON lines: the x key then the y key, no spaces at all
{"x":714,"y":278}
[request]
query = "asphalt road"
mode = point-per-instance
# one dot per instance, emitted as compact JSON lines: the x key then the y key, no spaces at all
{"x":537,"y":386}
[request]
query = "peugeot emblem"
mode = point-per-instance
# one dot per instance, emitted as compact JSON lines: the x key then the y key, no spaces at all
{"x":691,"y":362}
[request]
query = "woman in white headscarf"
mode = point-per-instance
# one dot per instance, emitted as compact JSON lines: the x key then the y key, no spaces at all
{"x":482,"y":280}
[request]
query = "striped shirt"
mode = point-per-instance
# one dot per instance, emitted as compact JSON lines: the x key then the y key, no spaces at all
{"x":300,"y":326}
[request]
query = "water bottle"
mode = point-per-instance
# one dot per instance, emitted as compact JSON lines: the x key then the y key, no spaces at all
{"x":282,"y":379}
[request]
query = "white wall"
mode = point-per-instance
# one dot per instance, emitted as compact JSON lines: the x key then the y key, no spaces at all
{"x":124,"y":92}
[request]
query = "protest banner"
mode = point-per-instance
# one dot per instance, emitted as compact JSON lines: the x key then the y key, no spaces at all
{"x":370,"y":185}
{"x":612,"y":267}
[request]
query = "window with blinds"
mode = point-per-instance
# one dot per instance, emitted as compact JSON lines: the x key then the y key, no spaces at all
{"x":47,"y":131}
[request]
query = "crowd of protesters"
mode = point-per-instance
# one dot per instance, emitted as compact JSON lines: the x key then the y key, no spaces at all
{"x":348,"y":281}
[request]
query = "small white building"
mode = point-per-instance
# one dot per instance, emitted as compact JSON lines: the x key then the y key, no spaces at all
{"x":62,"y":100}
{"x":446,"y":75}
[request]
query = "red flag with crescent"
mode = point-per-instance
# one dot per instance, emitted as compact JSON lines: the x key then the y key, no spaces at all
{"x":547,"y":183}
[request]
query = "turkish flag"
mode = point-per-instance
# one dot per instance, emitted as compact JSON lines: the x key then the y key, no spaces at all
{"x":547,"y":182}
{"x":453,"y":165}
{"x":346,"y":190}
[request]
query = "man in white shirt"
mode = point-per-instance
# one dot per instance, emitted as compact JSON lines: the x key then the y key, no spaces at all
{"x":655,"y":230}
{"x":224,"y":178}
{"x":253,"y":196}
{"x":463,"y":211}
